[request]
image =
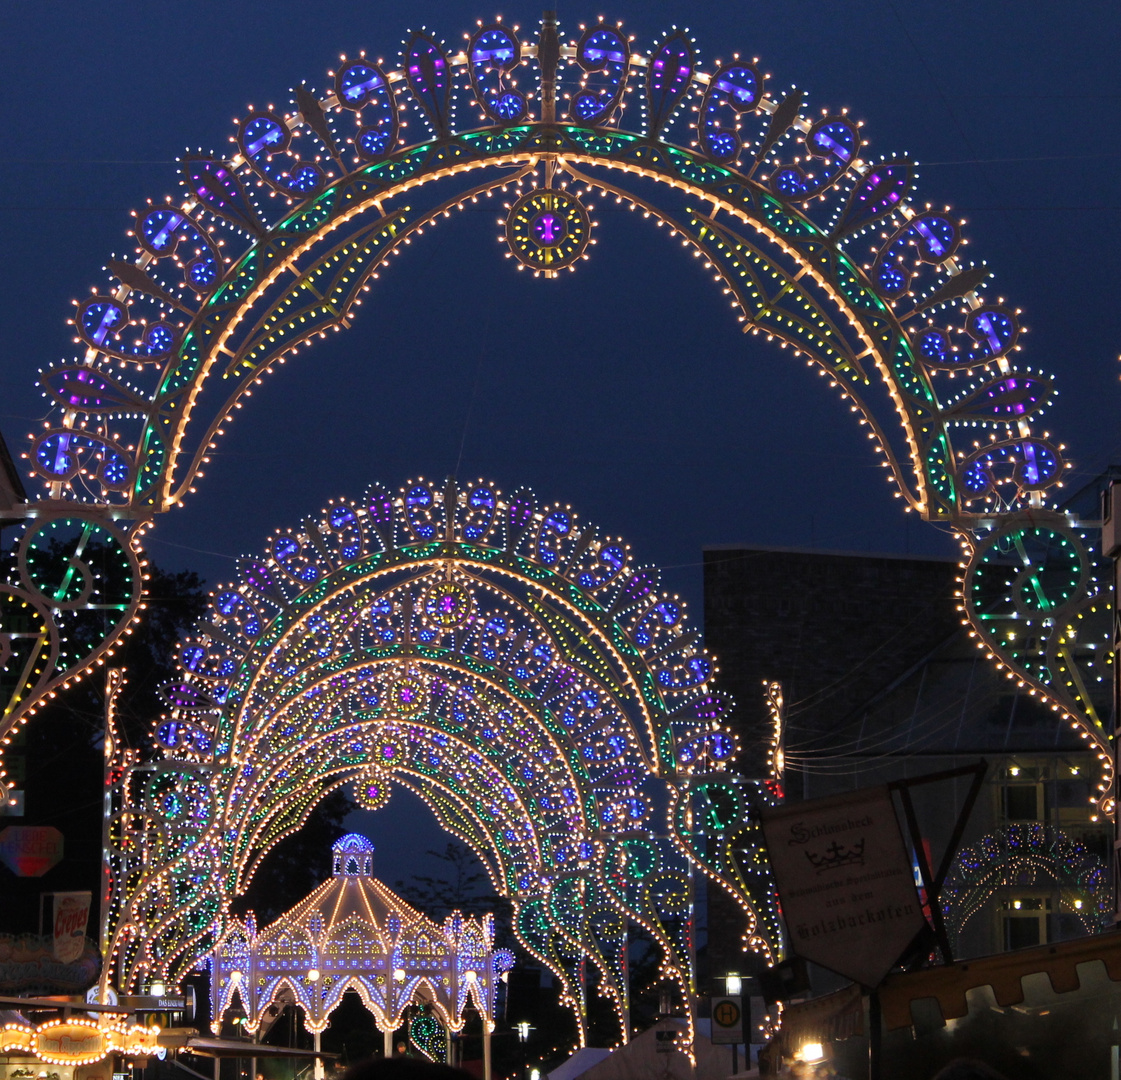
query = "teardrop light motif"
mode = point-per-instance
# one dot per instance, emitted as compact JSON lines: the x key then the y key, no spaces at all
{"x":667,"y":79}
{"x":994,"y":329}
{"x":931,"y":237}
{"x":493,"y":52}
{"x":362,"y":86}
{"x":162,"y":232}
{"x":221,"y":192}
{"x":478,"y":515}
{"x":266,"y":142}
{"x":603,"y":56}
{"x":258,"y":575}
{"x":519,"y":513}
{"x":83,"y":388}
{"x":379,"y":510}
{"x":735,"y":89}
{"x":429,"y":79}
{"x":1030,"y":465}
{"x":183,"y":695}
{"x":100,"y":320}
{"x":1011,"y":397}
{"x":879,"y":192}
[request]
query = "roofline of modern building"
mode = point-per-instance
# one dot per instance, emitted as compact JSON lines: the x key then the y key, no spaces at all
{"x":782,"y":550}
{"x":11,"y":473}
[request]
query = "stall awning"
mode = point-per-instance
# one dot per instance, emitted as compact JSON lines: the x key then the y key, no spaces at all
{"x":206,"y":1046}
{"x":840,"y":1015}
{"x":1002,"y":972}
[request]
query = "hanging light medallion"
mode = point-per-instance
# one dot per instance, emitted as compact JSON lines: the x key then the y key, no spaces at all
{"x":408,"y":696}
{"x":372,"y":789}
{"x":448,"y":605}
{"x":548,"y":230}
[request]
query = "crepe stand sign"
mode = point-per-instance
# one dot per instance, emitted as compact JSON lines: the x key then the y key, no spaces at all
{"x":845,"y":882}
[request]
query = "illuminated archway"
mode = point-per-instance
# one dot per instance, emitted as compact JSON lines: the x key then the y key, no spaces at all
{"x":816,"y":247}
{"x":1029,"y":858}
{"x":504,"y":661}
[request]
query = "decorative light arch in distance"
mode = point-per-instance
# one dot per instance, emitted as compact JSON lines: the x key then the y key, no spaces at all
{"x":503,"y":660}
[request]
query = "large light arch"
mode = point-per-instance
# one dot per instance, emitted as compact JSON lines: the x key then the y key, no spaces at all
{"x":816,"y":247}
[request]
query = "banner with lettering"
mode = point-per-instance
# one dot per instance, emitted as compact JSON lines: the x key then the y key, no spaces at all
{"x":71,"y":914}
{"x":28,"y":966}
{"x":845,"y":882}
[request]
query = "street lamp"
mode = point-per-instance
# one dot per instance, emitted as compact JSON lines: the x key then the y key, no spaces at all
{"x":523,"y":1028}
{"x":733,"y":985}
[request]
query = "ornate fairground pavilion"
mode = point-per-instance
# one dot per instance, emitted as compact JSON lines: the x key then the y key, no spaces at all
{"x":508,"y":662}
{"x":353,"y":933}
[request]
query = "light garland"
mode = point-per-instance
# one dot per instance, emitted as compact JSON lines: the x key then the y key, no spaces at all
{"x":78,"y":1041}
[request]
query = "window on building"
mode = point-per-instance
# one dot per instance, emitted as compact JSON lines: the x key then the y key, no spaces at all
{"x":1026,"y":922}
{"x":1021,"y":802}
{"x":1020,"y":931}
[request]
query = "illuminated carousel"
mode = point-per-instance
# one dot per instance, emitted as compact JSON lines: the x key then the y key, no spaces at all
{"x":353,"y":933}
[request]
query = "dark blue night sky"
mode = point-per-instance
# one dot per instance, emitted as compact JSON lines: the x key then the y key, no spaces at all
{"x":625,"y":389}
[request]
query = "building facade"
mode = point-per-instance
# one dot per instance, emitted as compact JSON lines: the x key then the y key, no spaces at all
{"x":881,"y":682}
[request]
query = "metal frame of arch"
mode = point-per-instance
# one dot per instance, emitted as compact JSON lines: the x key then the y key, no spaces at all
{"x":817,"y":247}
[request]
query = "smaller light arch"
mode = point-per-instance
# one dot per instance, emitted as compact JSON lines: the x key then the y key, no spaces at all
{"x":504,"y":660}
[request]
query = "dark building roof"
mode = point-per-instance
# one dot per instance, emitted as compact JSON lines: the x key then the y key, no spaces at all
{"x":871,"y":653}
{"x":11,"y":485}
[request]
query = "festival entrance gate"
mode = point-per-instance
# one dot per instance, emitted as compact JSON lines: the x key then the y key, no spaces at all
{"x":816,"y":246}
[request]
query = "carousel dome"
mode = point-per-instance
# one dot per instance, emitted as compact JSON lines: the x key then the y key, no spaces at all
{"x":353,"y":855}
{"x":355,"y":932}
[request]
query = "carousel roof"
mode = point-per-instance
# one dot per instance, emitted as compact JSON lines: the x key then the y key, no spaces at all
{"x":350,"y":892}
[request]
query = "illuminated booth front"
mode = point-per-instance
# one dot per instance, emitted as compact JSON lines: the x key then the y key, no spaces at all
{"x":353,"y":932}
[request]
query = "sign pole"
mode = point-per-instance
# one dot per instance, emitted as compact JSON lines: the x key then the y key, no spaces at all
{"x":875,"y":1034}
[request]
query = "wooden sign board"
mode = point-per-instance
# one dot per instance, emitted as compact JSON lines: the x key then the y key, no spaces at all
{"x":845,"y":882}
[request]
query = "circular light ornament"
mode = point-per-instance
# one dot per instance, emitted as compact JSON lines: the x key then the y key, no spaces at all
{"x":548,"y":230}
{"x":409,"y":695}
{"x":448,"y":605}
{"x":372,"y":789}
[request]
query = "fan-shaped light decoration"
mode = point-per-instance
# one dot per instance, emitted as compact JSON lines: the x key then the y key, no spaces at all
{"x":501,"y":658}
{"x":1029,"y":857}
